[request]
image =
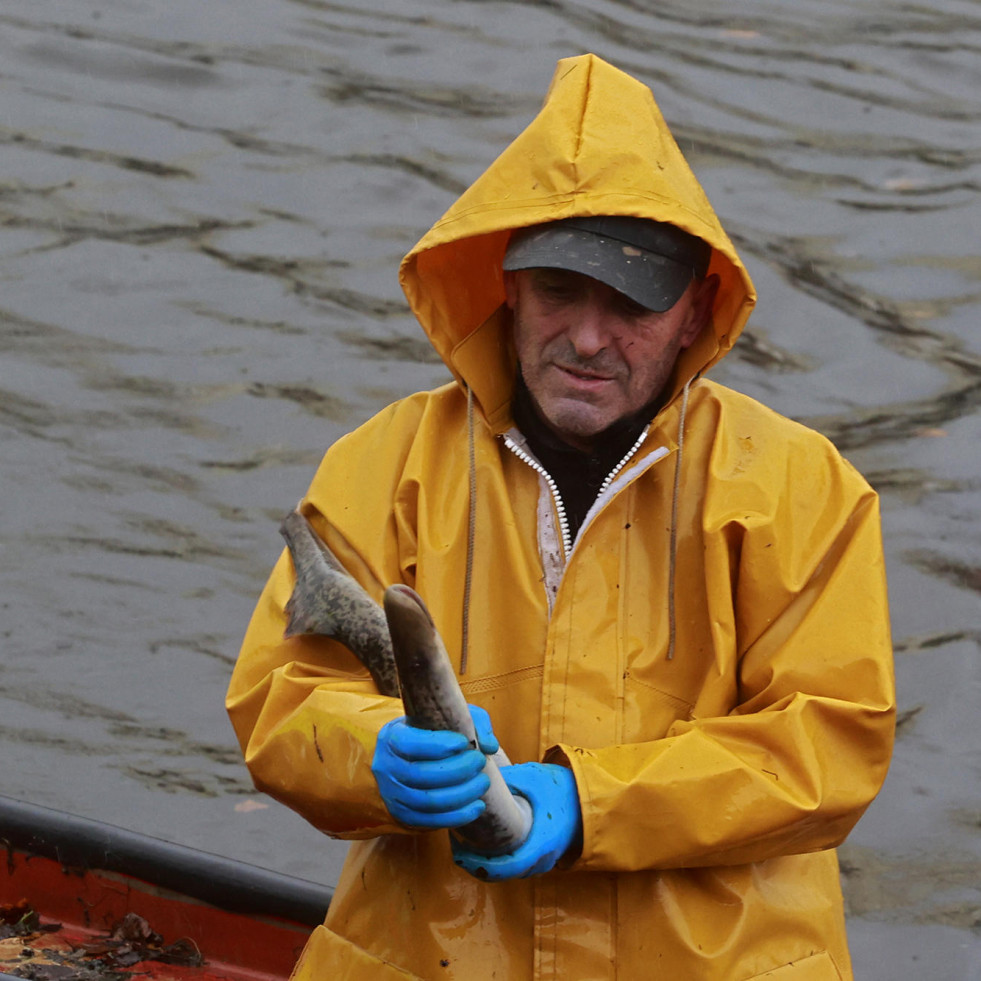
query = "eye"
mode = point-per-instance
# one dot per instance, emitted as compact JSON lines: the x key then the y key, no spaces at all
{"x":630,"y":309}
{"x":557,"y":288}
{"x":557,"y":292}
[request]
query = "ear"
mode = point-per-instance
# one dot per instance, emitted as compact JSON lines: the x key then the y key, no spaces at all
{"x":510,"y":288}
{"x":702,"y":302}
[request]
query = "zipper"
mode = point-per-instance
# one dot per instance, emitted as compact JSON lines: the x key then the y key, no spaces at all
{"x":612,"y":475}
{"x":526,"y":457}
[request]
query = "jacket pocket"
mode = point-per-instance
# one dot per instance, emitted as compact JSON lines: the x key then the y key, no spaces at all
{"x":816,"y":967}
{"x":328,"y":955}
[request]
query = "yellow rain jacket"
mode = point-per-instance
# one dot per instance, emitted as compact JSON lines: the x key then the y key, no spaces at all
{"x":711,"y":657}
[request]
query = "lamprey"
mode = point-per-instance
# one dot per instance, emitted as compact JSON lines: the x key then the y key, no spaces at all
{"x":327,"y":600}
{"x":402,"y":650}
{"x":433,"y":700}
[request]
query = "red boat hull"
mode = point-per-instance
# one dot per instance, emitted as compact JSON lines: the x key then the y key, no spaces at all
{"x":247,"y":923}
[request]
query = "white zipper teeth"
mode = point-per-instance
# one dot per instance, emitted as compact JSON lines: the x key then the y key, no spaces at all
{"x":612,"y":475}
{"x":552,"y":486}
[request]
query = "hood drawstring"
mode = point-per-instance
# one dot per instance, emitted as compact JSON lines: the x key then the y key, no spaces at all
{"x":673,"y":546}
{"x":471,"y":535}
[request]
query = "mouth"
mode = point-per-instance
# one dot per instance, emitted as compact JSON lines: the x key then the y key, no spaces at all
{"x":584,"y":377}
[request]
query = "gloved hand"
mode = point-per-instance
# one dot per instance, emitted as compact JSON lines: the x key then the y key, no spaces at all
{"x":556,"y":824}
{"x":433,"y":779}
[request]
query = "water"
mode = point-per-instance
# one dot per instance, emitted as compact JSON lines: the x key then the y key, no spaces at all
{"x":203,"y":209}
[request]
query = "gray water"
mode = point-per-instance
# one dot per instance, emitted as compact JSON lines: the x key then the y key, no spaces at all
{"x":203,"y":209}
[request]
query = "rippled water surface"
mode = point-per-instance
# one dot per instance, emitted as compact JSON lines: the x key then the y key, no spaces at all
{"x":203,"y":209}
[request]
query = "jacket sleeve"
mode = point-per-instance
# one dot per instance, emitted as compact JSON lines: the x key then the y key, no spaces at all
{"x":305,"y":711}
{"x":792,"y":764}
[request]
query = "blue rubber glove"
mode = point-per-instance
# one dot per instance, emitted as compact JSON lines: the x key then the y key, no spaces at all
{"x":556,"y":824}
{"x":433,"y":779}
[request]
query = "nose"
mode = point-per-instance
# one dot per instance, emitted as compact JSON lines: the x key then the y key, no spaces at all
{"x":591,"y":330}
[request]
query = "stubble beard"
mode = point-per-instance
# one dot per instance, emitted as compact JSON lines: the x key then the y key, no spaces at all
{"x":576,"y":417}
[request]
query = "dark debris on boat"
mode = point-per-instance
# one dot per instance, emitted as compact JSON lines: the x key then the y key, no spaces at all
{"x":32,"y":950}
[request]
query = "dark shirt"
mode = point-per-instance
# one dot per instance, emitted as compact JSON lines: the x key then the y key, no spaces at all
{"x":577,"y":474}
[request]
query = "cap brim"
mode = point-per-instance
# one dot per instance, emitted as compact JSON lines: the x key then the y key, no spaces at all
{"x":650,"y":279}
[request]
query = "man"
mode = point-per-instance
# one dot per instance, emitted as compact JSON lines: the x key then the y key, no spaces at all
{"x":667,"y":601}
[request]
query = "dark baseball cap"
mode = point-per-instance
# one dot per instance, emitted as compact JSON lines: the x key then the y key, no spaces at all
{"x":652,"y":262}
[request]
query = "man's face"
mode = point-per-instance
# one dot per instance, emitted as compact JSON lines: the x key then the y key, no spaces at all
{"x":591,"y":356}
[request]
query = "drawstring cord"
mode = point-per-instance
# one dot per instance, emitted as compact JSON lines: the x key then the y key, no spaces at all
{"x":471,"y":535}
{"x":673,"y":547}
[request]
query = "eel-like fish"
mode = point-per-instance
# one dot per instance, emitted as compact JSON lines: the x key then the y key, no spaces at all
{"x":404,"y":653}
{"x":328,"y":600}
{"x":433,"y":700}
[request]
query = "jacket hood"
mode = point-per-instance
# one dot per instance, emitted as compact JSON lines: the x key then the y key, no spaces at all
{"x":599,"y":146}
